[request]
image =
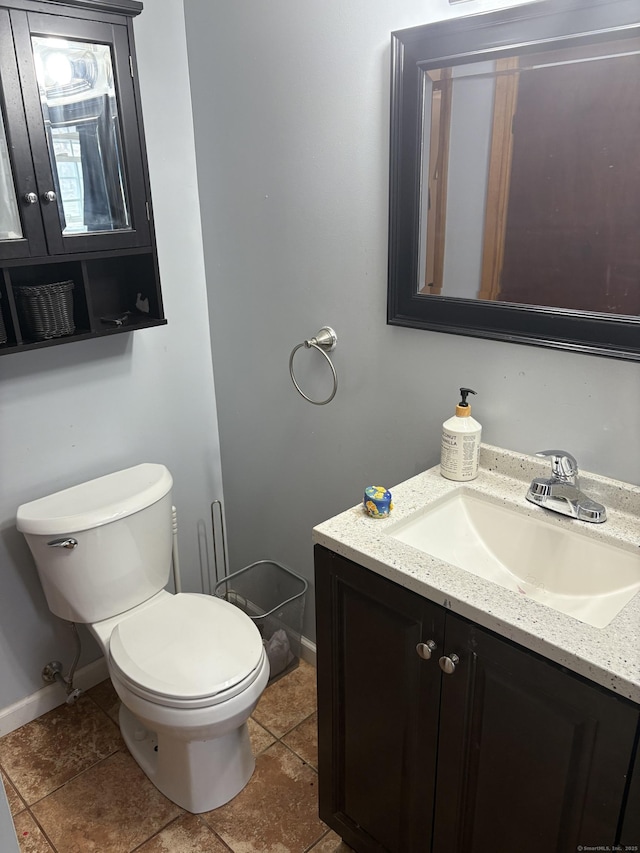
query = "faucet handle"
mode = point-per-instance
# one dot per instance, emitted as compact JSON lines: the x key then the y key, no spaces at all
{"x":563,"y":464}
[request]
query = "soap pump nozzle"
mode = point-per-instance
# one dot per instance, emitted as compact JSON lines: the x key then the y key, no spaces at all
{"x":463,"y":409}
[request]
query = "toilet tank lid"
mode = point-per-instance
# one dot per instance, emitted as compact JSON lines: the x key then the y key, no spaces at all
{"x":96,"y":502}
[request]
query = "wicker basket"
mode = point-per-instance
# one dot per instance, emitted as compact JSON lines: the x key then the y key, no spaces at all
{"x":46,"y":310}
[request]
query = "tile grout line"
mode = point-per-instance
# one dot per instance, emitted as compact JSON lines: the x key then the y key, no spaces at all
{"x":175,"y":820}
{"x":12,"y":783}
{"x":288,"y":732}
{"x":286,"y":745}
{"x":42,"y":830}
{"x":317,"y":841}
{"x":215,"y":834}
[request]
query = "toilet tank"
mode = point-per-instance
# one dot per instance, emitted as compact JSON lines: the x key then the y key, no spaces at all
{"x":123,"y":528}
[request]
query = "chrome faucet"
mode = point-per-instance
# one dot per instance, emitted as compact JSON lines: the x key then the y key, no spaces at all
{"x":561,"y":492}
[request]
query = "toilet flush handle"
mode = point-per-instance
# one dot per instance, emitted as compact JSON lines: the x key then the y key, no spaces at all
{"x":67,"y":542}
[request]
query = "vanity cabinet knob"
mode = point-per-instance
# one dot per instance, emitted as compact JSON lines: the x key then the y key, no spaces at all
{"x":425,"y":649}
{"x":448,"y":663}
{"x":49,"y":196}
{"x":30,"y":198}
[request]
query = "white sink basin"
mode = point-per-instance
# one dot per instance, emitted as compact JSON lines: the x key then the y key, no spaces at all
{"x":555,"y":565}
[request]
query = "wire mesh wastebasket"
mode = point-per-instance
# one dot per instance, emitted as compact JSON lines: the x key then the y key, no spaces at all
{"x":274,"y":597}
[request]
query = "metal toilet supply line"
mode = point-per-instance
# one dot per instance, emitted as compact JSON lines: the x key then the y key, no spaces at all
{"x":324,"y":341}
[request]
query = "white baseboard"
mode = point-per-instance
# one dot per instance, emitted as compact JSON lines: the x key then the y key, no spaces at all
{"x":308,"y":651}
{"x":49,"y":697}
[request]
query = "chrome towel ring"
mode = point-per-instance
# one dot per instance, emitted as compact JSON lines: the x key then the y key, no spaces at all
{"x":325,"y":341}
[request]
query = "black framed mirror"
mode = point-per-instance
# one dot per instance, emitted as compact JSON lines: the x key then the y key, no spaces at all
{"x":515,"y":176}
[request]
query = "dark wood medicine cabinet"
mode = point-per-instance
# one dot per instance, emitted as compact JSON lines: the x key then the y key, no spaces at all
{"x":75,"y":202}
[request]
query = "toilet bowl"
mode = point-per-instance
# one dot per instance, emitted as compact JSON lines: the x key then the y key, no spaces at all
{"x":189,"y":669}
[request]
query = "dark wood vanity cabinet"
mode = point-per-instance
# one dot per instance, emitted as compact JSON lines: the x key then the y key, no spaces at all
{"x":506,"y":752}
{"x":75,"y":201}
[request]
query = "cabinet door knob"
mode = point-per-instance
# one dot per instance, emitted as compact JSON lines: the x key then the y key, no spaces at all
{"x":448,"y":663}
{"x":49,"y":196}
{"x":425,"y":649}
{"x":30,"y":198}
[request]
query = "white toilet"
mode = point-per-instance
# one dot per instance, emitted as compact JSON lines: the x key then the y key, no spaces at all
{"x":188,"y":668}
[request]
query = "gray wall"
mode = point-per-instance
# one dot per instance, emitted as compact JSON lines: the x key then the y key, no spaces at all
{"x":8,"y":841}
{"x":291,"y":105}
{"x":80,"y":410}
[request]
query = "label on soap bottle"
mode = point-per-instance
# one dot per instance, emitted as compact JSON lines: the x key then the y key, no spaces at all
{"x":460,"y":455}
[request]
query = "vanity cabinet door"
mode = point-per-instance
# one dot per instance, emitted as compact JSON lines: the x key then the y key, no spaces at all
{"x":377,"y":707}
{"x":531,"y":758}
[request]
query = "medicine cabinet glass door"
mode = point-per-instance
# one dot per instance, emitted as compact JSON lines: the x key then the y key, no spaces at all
{"x":21,"y":230}
{"x":77,"y":90}
{"x":80,"y":114}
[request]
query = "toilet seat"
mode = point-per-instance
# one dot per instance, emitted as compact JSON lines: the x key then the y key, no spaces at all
{"x":187,"y":651}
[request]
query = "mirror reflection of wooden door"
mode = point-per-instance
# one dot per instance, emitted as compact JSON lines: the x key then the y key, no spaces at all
{"x":571,"y":225}
{"x":437,"y":179}
{"x":505,"y":100}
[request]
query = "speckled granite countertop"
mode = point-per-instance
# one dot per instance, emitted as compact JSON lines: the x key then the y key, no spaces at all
{"x":609,"y":656}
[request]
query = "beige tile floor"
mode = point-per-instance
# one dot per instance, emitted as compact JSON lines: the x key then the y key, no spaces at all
{"x":74,"y":788}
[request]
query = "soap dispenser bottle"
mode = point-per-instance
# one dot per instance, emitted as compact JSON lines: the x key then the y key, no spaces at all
{"x":460,"y":453}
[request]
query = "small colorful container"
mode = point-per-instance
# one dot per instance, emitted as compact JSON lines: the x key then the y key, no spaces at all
{"x":377,"y":501}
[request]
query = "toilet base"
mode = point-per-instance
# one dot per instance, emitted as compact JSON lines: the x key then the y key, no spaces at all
{"x":198,"y":775}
